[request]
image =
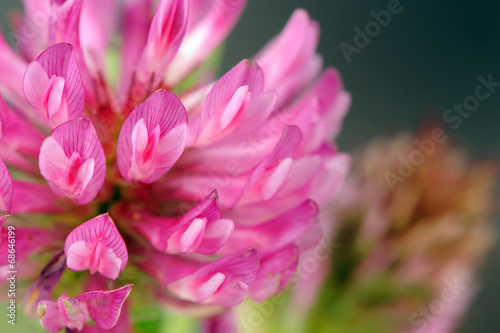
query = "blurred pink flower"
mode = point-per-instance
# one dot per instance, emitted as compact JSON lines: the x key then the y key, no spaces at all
{"x":407,"y":259}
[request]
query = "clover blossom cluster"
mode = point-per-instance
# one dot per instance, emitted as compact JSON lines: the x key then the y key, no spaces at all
{"x":131,"y":173}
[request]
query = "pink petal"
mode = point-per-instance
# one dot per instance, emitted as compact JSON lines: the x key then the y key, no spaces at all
{"x":216,"y":234}
{"x":337,"y":113}
{"x":72,"y":161}
{"x":276,"y":270}
{"x":65,"y":21}
{"x":194,"y":186}
{"x":303,"y":170}
{"x":190,"y":238}
{"x":328,"y":182}
{"x":251,"y":148}
{"x":276,"y":179}
{"x":97,"y":22}
{"x":66,"y":312}
{"x":109,"y":265}
{"x":164,"y":113}
{"x":275,"y":233}
{"x":71,"y":312}
{"x":166,"y":268}
{"x":123,"y":324}
{"x":288,"y":61}
{"x":34,"y":43}
{"x":5,"y":189}
{"x":276,"y":171}
{"x":320,"y":111}
{"x":164,"y":38}
{"x":136,"y":23}
{"x":33,"y":197}
{"x":224,"y":282}
{"x":35,"y":83}
{"x":105,"y":306}
{"x":54,"y":160}
{"x":228,"y":100}
{"x":53,"y":85}
{"x":96,"y":245}
{"x":258,"y":111}
{"x":205,"y":33}
{"x":49,"y":315}
{"x":201,"y":230}
{"x":55,"y":102}
{"x":19,"y":139}
{"x":80,"y":255}
{"x":29,"y":241}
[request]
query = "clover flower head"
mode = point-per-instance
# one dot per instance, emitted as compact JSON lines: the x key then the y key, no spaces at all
{"x":126,"y":161}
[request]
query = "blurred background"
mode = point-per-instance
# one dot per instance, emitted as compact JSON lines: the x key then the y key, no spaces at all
{"x":425,"y":60}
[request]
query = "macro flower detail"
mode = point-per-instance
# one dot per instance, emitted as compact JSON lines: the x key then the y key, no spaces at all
{"x":53,"y":85}
{"x":98,"y":246}
{"x":102,"y":306}
{"x":276,"y":270}
{"x":72,"y":161}
{"x":134,"y":162}
{"x":152,"y":138}
{"x":232,"y":100}
{"x":201,"y":230}
{"x":164,"y":39}
{"x":224,"y":282}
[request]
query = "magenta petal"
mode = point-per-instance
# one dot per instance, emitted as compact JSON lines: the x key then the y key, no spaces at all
{"x":166,"y":268}
{"x":71,"y":312}
{"x":328,"y":182}
{"x":29,"y":241}
{"x":216,"y":234}
{"x":227,"y":102}
{"x":34,"y":84}
{"x":66,"y":312}
{"x":65,"y":21}
{"x":276,"y":233}
{"x":224,"y":282}
{"x":5,"y":189}
{"x":201,"y":230}
{"x":209,"y":24}
{"x":53,"y":85}
{"x":98,"y":246}
{"x":72,"y":161}
{"x":276,"y":270}
{"x":50,"y":317}
{"x":105,"y":306}
{"x":19,"y":139}
{"x":165,"y":36}
{"x":288,"y":61}
{"x":258,"y":111}
{"x":33,"y":197}
{"x":136,"y":23}
{"x":123,"y":324}
{"x":97,"y":22}
{"x":152,"y":138}
{"x":217,"y":229}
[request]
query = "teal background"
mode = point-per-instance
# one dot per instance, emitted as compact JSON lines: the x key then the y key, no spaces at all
{"x":424,"y":61}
